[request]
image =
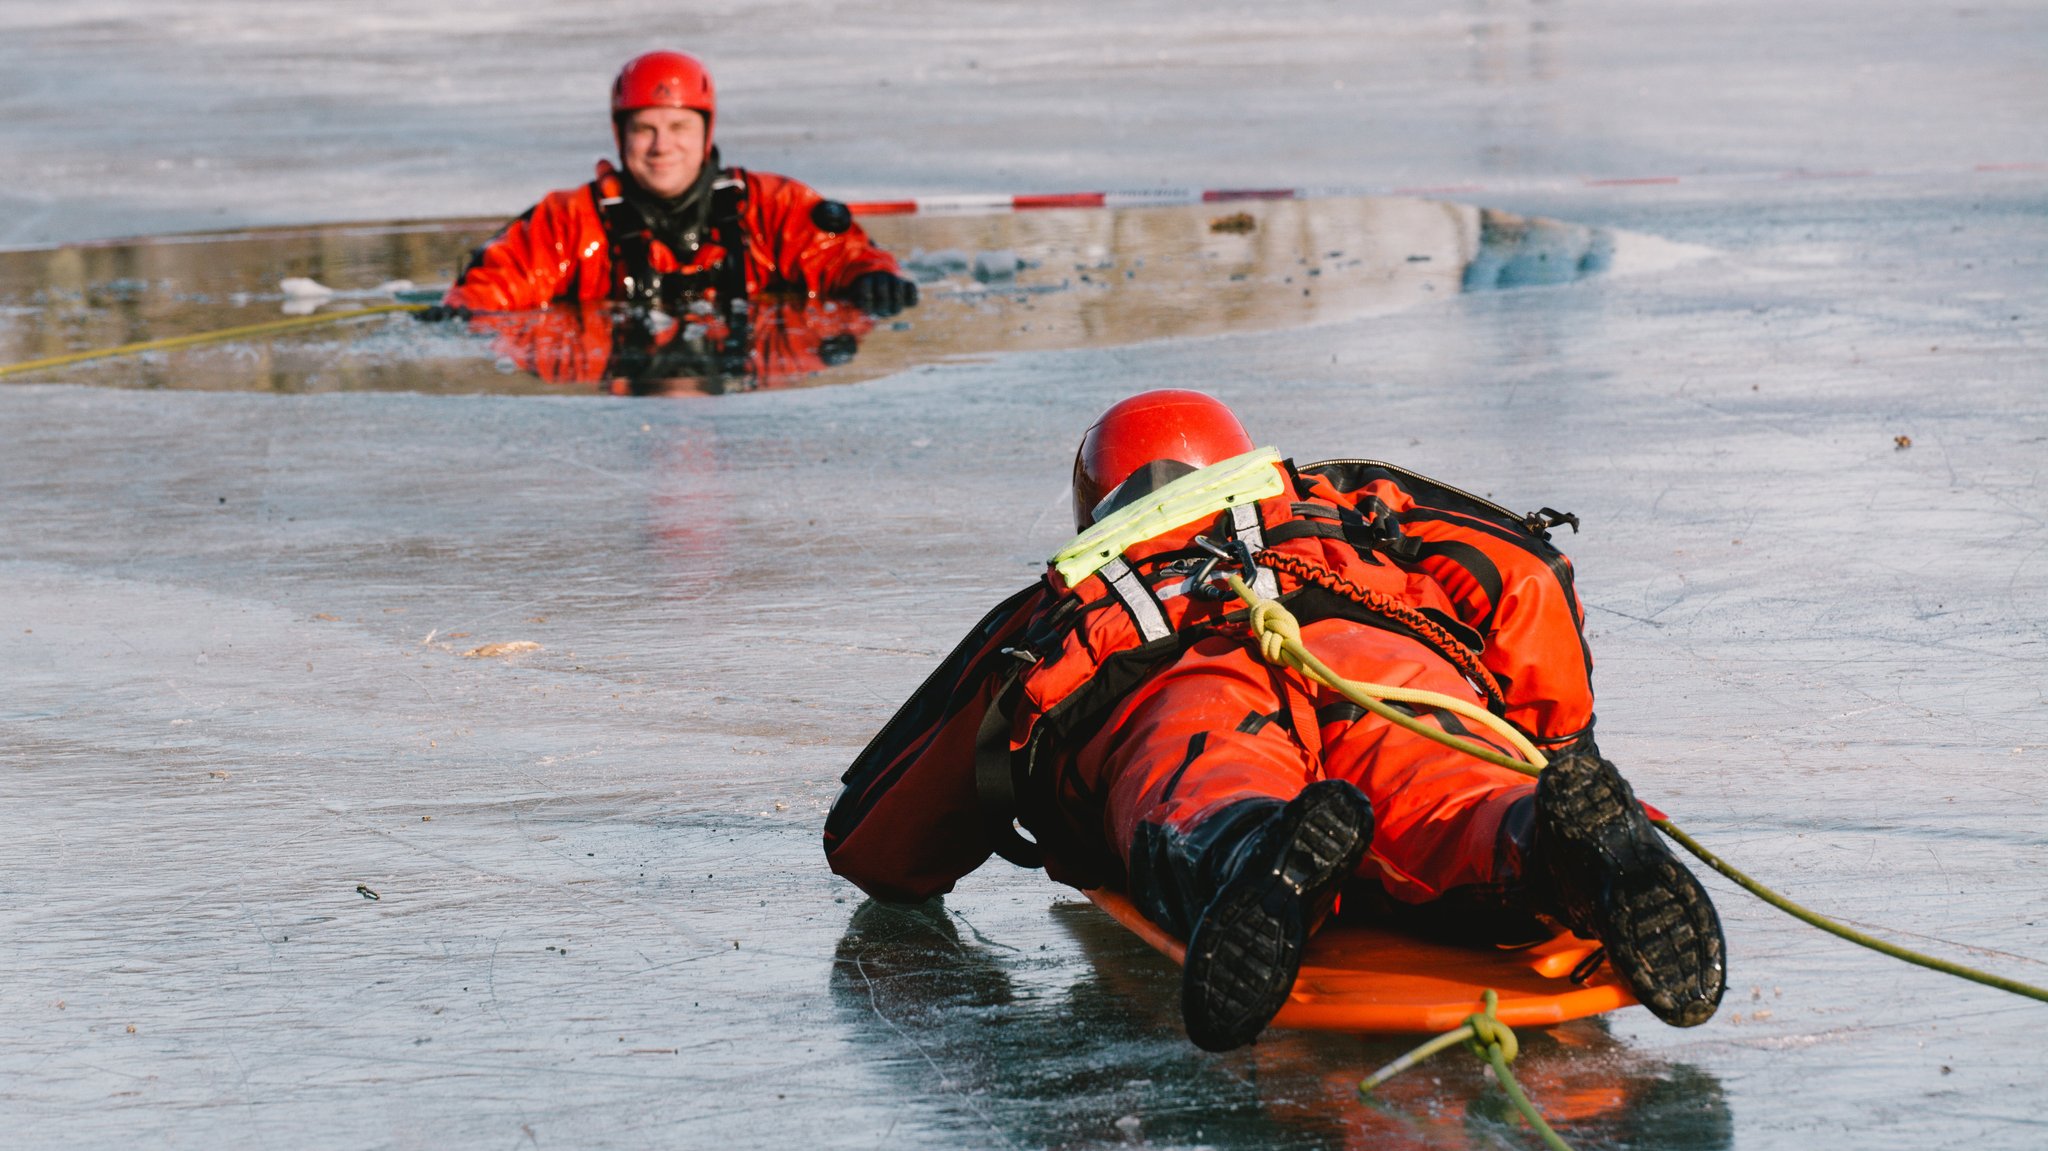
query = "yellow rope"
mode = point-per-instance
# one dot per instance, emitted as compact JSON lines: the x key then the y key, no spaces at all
{"x":1279,"y":638}
{"x":263,"y":329}
{"x":1842,"y":931}
{"x":1491,"y":1040}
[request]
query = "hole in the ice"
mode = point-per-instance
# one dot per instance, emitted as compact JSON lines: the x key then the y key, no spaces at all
{"x":1025,"y":281}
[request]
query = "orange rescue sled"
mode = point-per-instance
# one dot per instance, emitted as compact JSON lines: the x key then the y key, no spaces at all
{"x":1366,"y":979}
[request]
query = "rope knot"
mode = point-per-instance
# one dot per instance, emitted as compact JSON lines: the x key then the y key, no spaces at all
{"x":1274,"y":626}
{"x":1489,"y":1031}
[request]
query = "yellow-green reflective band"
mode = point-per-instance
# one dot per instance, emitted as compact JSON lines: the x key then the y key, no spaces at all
{"x":1240,"y":479}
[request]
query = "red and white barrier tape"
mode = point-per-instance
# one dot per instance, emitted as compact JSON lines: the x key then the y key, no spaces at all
{"x":986,"y":203}
{"x":973,"y":203}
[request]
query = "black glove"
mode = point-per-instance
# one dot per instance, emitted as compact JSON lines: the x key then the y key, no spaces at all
{"x":435,"y":313}
{"x":882,"y":293}
{"x":831,"y":216}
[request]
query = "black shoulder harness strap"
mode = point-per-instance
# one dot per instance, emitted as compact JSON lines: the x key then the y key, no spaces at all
{"x":727,"y":196}
{"x":995,"y":778}
{"x":1010,"y":795}
{"x":636,"y":283}
{"x":634,"y":280}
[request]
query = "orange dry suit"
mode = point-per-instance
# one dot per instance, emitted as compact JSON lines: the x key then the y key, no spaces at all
{"x":603,"y":242}
{"x":1126,"y":720}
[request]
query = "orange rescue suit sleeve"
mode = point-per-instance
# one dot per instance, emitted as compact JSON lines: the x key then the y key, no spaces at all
{"x":557,"y":250}
{"x":785,"y":248}
{"x":1519,"y":595}
{"x":1505,"y":580}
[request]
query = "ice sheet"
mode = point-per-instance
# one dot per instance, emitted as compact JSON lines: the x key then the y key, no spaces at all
{"x":129,"y":117}
{"x":232,"y":625}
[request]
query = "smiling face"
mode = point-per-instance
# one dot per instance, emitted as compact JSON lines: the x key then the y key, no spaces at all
{"x":663,"y":149}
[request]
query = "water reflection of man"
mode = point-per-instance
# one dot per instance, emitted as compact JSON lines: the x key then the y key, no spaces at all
{"x":634,"y":352}
{"x":675,"y":224}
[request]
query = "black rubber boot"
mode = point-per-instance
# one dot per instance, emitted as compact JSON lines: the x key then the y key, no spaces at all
{"x":1246,"y":949}
{"x":1613,"y":879}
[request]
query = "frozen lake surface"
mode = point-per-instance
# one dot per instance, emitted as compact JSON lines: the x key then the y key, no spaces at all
{"x":233,"y":626}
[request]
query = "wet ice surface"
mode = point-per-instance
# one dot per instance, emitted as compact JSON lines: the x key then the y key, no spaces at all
{"x":1819,"y":651}
{"x":130,"y":118}
{"x":200,"y":768}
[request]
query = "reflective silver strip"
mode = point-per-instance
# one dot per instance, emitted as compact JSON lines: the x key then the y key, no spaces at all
{"x":1244,"y":524}
{"x":1137,"y":600}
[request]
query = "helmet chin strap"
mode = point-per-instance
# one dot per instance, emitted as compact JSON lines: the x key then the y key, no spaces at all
{"x":1149,"y":478}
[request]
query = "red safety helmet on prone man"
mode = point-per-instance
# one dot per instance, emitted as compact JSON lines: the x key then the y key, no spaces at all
{"x":1146,"y":441}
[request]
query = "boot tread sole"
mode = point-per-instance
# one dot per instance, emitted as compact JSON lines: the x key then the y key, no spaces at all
{"x":1654,"y":918}
{"x":1246,"y":951}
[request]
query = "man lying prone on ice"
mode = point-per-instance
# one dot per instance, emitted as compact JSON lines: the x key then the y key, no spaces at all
{"x":1120,"y":712}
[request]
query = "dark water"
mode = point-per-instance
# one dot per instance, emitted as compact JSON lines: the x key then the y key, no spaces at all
{"x":992,"y":284}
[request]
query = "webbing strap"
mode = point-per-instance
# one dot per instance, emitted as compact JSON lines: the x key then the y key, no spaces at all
{"x":1244,"y":526}
{"x":995,"y":777}
{"x":1146,"y":614}
{"x":1198,"y":495}
{"x":1301,"y":714}
{"x":634,"y":280}
{"x":631,"y":237}
{"x":726,"y":196}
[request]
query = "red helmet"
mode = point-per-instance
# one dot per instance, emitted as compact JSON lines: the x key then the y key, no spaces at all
{"x":1167,"y":427}
{"x":665,"y":80}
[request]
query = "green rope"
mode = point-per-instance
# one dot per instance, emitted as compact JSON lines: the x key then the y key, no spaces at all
{"x":1849,"y":933}
{"x":215,"y":336}
{"x":1448,"y":1039}
{"x":1279,"y":636}
{"x":1491,"y":1040}
{"x":1551,"y":1139}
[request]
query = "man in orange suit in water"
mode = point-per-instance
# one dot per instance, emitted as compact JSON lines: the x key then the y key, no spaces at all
{"x":1119,"y":711}
{"x":671,"y":225}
